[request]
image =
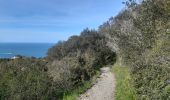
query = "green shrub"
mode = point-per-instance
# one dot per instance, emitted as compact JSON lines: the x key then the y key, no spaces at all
{"x":139,"y":36}
{"x":75,"y":61}
{"x":26,"y":79}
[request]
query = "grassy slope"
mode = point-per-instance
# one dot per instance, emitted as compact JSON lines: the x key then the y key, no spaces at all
{"x":124,"y":90}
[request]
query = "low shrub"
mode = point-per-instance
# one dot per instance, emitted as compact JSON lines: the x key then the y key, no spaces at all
{"x":26,"y":79}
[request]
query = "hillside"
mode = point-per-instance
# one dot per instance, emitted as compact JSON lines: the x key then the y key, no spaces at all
{"x":138,"y":38}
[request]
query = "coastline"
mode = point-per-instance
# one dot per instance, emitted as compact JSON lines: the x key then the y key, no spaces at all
{"x":38,"y":50}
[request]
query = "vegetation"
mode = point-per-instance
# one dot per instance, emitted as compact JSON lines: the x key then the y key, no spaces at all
{"x":25,"y":79}
{"x":73,"y":95}
{"x":139,"y":35}
{"x":124,"y":88}
{"x":69,"y":69}
{"x":77,"y":60}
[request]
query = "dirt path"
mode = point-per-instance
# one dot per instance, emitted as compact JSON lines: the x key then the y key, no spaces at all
{"x":103,"y":89}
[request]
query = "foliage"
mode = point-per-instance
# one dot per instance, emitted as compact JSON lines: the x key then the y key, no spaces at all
{"x":77,"y":60}
{"x":25,"y":79}
{"x":73,"y":95}
{"x":139,"y":35}
{"x":69,"y":65}
{"x":90,"y":41}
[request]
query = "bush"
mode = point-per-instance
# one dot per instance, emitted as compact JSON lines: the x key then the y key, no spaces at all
{"x":74,"y":62}
{"x":26,"y":79}
{"x":139,"y":35}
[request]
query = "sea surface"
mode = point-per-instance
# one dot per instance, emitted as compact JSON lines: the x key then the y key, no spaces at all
{"x":39,"y":50}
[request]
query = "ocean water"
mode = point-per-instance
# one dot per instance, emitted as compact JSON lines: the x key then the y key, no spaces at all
{"x":8,"y":50}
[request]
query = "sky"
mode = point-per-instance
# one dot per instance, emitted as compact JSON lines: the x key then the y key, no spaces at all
{"x":48,"y":21}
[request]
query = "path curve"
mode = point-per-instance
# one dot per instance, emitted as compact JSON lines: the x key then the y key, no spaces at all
{"x":103,"y":89}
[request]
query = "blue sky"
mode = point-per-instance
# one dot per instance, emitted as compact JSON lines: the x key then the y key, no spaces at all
{"x":52,"y":20}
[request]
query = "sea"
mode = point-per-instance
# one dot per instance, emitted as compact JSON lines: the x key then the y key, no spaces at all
{"x":38,"y":50}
